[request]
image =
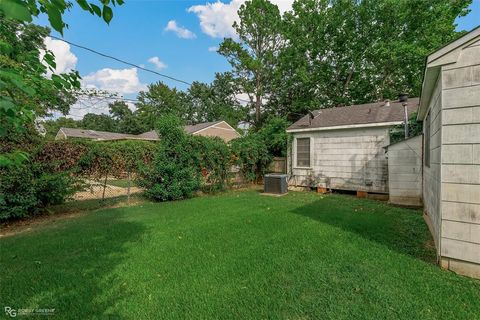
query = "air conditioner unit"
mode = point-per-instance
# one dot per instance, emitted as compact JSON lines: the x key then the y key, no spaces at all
{"x":275,"y":183}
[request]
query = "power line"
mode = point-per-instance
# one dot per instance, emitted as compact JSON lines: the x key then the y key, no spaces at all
{"x":130,"y":63}
{"x":121,"y":61}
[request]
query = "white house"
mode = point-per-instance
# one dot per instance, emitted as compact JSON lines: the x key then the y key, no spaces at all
{"x":450,"y":111}
{"x":343,"y":148}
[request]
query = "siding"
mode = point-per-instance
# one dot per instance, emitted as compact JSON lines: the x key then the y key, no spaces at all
{"x":431,"y":175}
{"x":460,"y":176}
{"x":221,"y":130}
{"x":351,"y":159}
{"x":405,"y":172}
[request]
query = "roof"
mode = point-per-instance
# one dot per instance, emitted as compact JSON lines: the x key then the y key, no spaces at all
{"x":149,"y":135}
{"x":93,"y":134}
{"x":447,"y":54}
{"x":362,"y":115}
{"x":197,"y":127}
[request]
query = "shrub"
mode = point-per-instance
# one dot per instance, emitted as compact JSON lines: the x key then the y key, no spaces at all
{"x":184,"y":163}
{"x":27,"y":188}
{"x":251,"y":154}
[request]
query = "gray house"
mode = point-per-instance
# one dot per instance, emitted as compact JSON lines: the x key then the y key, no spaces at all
{"x":344,"y":148}
{"x":450,"y":111}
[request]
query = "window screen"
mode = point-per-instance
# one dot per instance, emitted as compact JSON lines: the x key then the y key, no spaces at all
{"x":303,"y":152}
{"x":427,"y":141}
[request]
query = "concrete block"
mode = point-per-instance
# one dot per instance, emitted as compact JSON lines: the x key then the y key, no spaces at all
{"x":454,"y":78}
{"x":467,"y":133}
{"x":460,"y":250}
{"x":461,"y":97}
{"x":458,"y":154}
{"x":465,"y":212}
{"x":455,"y":116}
{"x":457,"y":173}
{"x":466,"y":193}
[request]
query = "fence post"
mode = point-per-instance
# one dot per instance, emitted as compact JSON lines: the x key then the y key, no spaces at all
{"x":128,"y":186}
{"x":104,"y":186}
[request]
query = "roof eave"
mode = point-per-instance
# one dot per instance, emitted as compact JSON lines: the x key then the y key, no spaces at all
{"x":350,"y":126}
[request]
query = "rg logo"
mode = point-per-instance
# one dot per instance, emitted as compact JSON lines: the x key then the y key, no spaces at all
{"x":10,"y":312}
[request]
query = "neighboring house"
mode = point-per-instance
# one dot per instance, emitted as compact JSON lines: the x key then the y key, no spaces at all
{"x":450,"y":111}
{"x":219,"y":129}
{"x":343,"y":148}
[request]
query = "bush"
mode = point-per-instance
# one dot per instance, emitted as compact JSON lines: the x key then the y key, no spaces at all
{"x":27,"y":188}
{"x":251,"y":154}
{"x":184,"y":164}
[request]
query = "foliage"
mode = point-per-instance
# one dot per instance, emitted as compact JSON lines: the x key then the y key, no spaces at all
{"x":274,"y":135}
{"x":25,"y":92}
{"x":253,"y":58}
{"x":345,"y":52}
{"x":172,"y":175}
{"x":184,"y":163}
{"x":251,"y":154}
{"x":415,"y":128}
{"x":28,"y":187}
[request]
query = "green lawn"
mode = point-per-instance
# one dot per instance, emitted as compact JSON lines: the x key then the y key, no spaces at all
{"x":238,"y":255}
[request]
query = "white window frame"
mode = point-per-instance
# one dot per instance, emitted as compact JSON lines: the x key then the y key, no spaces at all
{"x":295,"y":166}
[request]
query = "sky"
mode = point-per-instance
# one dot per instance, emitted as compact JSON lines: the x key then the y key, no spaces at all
{"x":175,"y":37}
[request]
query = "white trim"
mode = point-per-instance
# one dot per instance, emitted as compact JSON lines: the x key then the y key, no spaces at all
{"x":295,"y":166}
{"x":350,"y":126}
{"x":213,"y":125}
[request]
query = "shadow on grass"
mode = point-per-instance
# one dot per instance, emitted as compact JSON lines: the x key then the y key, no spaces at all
{"x":399,"y":229}
{"x":69,"y":267}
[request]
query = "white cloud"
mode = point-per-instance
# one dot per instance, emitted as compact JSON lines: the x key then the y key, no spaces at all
{"x":123,"y":81}
{"x":181,"y":32}
{"x":216,"y":19}
{"x":64,"y":58}
{"x":213,"y":49}
{"x":159,"y":65}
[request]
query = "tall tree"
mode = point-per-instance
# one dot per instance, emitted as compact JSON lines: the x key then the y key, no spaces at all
{"x":253,"y":56}
{"x":343,"y":52}
{"x":158,"y":100}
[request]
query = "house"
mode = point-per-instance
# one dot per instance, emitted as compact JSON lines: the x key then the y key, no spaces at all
{"x":219,"y":129}
{"x":343,"y":148}
{"x":450,"y":111}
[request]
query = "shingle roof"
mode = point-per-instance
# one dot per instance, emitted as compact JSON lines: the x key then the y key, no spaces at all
{"x":197,"y":127}
{"x":369,"y":113}
{"x":93,"y":134}
{"x":150,"y":135}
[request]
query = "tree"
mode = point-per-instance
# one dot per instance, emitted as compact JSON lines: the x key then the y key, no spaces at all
{"x":215,"y":101}
{"x":52,"y":126}
{"x":21,"y":78}
{"x":345,"y":52}
{"x":253,"y":57}
{"x":159,"y":100}
{"x":125,"y":120}
{"x":99,"y":122}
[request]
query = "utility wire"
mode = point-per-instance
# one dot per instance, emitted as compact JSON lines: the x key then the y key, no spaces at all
{"x":130,"y":63}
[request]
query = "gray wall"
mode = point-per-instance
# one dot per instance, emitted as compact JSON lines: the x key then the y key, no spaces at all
{"x":452,"y":183}
{"x":432,"y":174}
{"x":461,"y":157}
{"x":347,"y":159}
{"x":405,"y":172}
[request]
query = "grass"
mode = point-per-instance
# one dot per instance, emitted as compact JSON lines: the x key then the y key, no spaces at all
{"x":236,"y":255}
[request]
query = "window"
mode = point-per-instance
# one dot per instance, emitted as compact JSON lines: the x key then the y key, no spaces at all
{"x":303,"y":152}
{"x":427,"y":141}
